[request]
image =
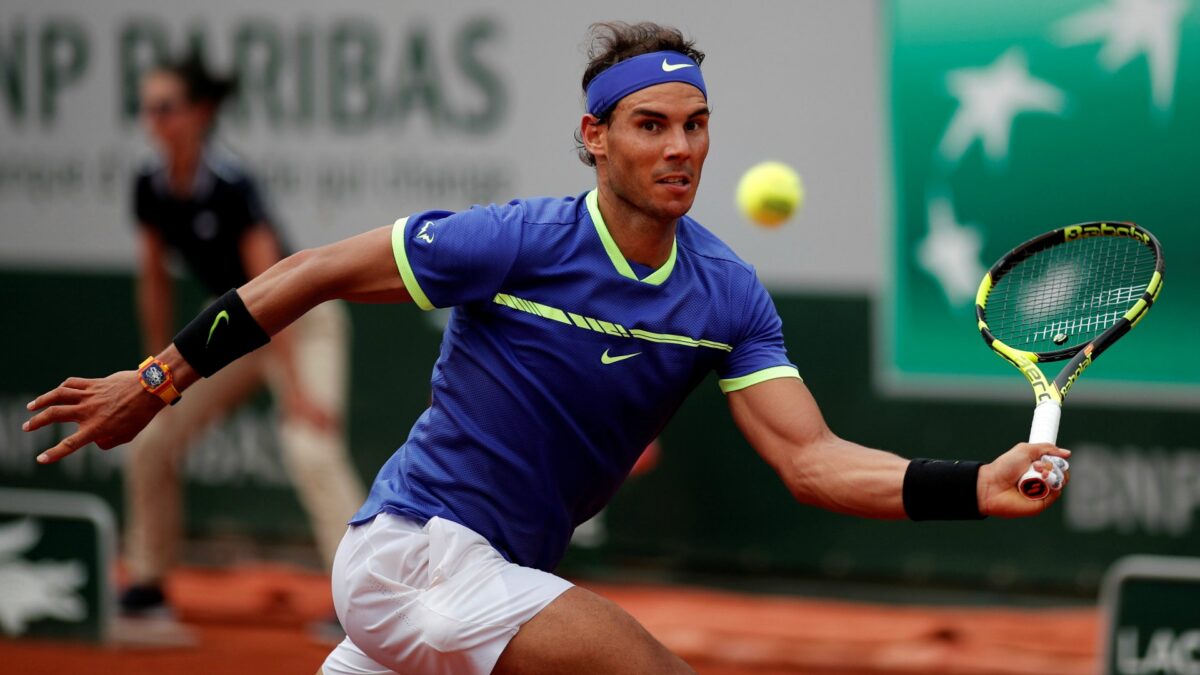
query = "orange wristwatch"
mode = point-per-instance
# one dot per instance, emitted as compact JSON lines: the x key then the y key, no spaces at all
{"x":155,"y":377}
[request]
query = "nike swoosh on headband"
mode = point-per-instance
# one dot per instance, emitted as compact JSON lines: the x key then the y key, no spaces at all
{"x":670,"y":67}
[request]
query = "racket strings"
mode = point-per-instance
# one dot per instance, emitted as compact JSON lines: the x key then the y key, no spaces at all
{"x":1066,"y":295}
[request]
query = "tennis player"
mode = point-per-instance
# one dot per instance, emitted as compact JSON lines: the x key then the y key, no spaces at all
{"x":579,"y":326}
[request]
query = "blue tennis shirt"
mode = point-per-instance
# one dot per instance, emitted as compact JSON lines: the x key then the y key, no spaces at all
{"x":560,"y":364}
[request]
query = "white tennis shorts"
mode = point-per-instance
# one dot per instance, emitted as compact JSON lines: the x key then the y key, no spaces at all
{"x":428,"y":599}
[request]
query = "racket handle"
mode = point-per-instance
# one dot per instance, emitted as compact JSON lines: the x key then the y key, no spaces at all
{"x":1044,"y":430}
{"x":1045,"y":423}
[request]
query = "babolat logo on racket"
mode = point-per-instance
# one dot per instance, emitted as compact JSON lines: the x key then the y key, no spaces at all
{"x":1087,"y":361}
{"x":1073,"y":232}
{"x":1041,"y":388}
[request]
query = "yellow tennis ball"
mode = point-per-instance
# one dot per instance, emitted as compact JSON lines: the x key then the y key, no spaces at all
{"x":769,"y":193}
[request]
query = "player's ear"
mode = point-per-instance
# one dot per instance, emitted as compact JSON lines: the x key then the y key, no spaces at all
{"x":594,"y":134}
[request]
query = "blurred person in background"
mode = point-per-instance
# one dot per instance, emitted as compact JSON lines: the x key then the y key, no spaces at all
{"x":196,"y":204}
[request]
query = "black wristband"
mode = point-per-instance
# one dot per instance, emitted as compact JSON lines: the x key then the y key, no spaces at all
{"x":224,"y":332}
{"x":938,"y":489}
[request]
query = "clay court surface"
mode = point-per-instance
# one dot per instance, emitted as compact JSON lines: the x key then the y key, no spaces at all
{"x":252,"y":620}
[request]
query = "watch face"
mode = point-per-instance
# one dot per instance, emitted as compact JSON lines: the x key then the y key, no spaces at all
{"x":153,"y":375}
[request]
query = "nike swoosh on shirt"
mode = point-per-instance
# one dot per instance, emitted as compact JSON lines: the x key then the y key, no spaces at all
{"x":606,"y":359}
{"x":668,"y":67}
{"x":220,"y":315}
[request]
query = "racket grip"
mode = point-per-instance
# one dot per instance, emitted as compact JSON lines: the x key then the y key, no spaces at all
{"x":1045,"y":423}
{"x":1044,"y":429}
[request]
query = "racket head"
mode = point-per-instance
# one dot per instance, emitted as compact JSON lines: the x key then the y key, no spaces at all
{"x":1079,"y":287}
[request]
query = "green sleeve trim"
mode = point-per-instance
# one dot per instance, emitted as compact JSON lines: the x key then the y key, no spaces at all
{"x":744,"y":381}
{"x":614,"y":252}
{"x":406,"y":273}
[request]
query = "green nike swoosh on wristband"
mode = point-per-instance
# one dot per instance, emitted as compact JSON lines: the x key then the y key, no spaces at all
{"x":220,"y":315}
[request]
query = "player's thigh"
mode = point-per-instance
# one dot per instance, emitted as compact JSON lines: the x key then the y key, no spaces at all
{"x":583,"y":633}
{"x":348,"y":659}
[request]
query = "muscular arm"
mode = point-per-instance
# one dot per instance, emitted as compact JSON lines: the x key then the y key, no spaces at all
{"x":112,"y":410}
{"x":155,"y":299}
{"x":359,"y":269}
{"x":782,"y":422}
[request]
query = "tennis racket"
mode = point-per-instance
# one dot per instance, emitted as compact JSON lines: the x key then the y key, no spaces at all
{"x":1066,"y":295}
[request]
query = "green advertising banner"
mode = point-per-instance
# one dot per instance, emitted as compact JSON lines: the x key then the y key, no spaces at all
{"x":56,"y":555}
{"x":1152,"y":616}
{"x":1013,"y":118}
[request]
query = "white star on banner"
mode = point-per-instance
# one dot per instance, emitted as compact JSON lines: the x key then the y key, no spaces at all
{"x":989,"y":99}
{"x":1129,"y":28}
{"x":950,"y":252}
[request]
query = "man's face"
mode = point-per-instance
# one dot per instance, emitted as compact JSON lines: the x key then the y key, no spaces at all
{"x":652,"y":150}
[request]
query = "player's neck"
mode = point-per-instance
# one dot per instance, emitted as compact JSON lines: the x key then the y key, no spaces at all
{"x":642,"y":238}
{"x":182,"y":165}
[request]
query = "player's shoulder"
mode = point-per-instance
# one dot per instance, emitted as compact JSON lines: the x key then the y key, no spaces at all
{"x":708,"y":249}
{"x":529,"y":211}
{"x":149,"y":171}
{"x":551,"y":210}
{"x":228,"y":167}
{"x":517,"y":214}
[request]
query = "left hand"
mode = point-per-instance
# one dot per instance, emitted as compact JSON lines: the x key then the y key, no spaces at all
{"x":997,"y":486}
{"x":110,"y":411}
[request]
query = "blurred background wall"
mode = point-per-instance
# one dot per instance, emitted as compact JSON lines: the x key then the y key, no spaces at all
{"x":932,"y":136}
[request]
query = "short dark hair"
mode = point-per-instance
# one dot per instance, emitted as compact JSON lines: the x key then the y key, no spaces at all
{"x":200,"y":85}
{"x":611,"y":42}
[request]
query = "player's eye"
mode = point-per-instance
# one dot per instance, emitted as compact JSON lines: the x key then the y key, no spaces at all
{"x":650,"y":125}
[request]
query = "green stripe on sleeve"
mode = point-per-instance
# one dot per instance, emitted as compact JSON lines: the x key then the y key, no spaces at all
{"x":744,"y":381}
{"x":406,"y":273}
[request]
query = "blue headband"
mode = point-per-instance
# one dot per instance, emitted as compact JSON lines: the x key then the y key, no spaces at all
{"x":639,"y":72}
